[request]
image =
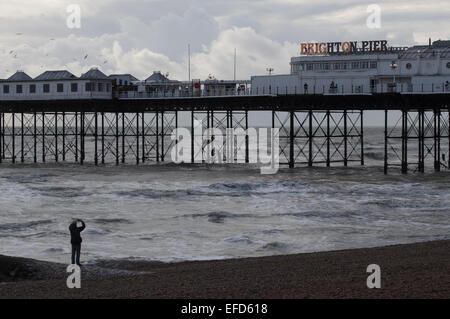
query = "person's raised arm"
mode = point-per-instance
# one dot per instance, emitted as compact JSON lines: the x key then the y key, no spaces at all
{"x":83,"y":226}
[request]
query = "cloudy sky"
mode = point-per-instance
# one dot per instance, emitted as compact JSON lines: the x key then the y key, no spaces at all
{"x":140,"y":36}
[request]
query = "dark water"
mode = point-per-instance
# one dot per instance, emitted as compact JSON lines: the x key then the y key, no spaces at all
{"x":192,"y":212}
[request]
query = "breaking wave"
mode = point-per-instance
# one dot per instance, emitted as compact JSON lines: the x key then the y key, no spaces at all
{"x":217,"y":217}
{"x":22,"y":226}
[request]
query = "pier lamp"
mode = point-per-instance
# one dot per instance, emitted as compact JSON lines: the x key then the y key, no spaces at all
{"x":394,"y":66}
{"x":270,"y":70}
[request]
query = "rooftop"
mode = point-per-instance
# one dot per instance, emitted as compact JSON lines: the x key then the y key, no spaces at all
{"x":94,"y":74}
{"x":55,"y":75}
{"x":20,"y":76}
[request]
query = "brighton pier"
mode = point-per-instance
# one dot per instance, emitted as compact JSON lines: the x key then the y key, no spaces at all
{"x":315,"y":129}
{"x":319,"y":109}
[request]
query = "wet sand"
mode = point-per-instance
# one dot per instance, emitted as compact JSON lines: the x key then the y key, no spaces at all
{"x":419,"y":270}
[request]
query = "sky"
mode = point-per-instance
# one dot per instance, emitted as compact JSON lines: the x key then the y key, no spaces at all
{"x":142,"y":36}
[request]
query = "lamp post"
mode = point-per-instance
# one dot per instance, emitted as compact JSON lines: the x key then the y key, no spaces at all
{"x":394,"y":66}
{"x":270,"y":70}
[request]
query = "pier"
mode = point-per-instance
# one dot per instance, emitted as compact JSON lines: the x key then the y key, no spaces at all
{"x":315,"y":129}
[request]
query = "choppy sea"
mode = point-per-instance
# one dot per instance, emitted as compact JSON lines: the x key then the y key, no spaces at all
{"x":171,"y":212}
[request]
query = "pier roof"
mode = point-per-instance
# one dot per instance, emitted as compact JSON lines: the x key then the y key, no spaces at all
{"x":19,"y":76}
{"x":94,"y":74}
{"x":55,"y":75}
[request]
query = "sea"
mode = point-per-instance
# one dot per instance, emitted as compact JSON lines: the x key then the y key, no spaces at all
{"x":171,"y":213}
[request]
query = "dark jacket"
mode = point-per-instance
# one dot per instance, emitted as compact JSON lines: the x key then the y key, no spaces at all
{"x":75,"y":231}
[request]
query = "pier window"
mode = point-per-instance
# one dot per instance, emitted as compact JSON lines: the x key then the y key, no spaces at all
{"x":365,"y":65}
{"x":355,"y":65}
{"x":6,"y":89}
{"x":74,"y":87}
{"x":448,"y":65}
{"x":46,"y":88}
{"x":59,"y":87}
{"x":309,"y":66}
{"x":100,"y":87}
{"x":32,"y":88}
{"x":373,"y":64}
{"x":88,"y":87}
{"x":108,"y":87}
{"x":19,"y":89}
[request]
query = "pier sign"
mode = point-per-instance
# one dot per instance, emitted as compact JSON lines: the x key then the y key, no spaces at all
{"x":323,"y":48}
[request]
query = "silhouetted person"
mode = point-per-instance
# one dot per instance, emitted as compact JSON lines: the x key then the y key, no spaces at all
{"x":305,"y":87}
{"x":75,"y":240}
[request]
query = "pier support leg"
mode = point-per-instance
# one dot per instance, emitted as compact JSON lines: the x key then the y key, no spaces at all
{"x":328,"y":140}
{"x":310,"y":142}
{"x":13,"y":147}
{"x":345,"y":139}
{"x":64,"y":136}
{"x":1,"y":137}
{"x":362,"y":138}
{"x":192,"y":138}
{"x":103,"y":137}
{"x":43,"y":137}
{"x":386,"y":141}
{"x":157,"y":136}
{"x":421,"y":132}
{"x":247,"y":153}
{"x":137,"y":139}
{"x":404,"y":142}
{"x":291,"y":141}
{"x":123,"y":138}
{"x":437,"y":140}
{"x":96,"y":138}
{"x":35,"y":137}
{"x":22,"y":138}
{"x":143,"y":136}
{"x":117,"y":138}
{"x":76,"y":137}
{"x":56,"y":137}
{"x":162,"y":137}
{"x":82,"y":138}
{"x":2,"y":155}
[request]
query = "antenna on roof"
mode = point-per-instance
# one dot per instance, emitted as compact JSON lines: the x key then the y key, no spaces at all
{"x":189,"y":62}
{"x":429,"y":42}
{"x":235,"y":64}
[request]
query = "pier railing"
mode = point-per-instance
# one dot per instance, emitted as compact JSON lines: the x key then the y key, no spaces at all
{"x":400,"y":88}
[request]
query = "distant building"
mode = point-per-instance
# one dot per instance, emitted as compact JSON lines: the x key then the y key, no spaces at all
{"x":56,"y":85}
{"x":424,"y":68}
{"x":123,"y":79}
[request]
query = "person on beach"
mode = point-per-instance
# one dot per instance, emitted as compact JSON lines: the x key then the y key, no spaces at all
{"x":75,"y":239}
